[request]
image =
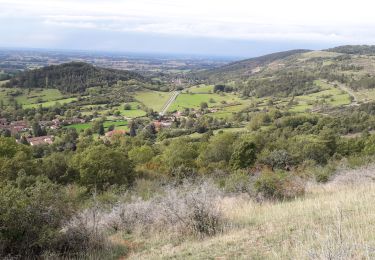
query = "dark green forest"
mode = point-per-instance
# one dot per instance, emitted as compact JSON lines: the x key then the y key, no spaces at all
{"x":74,"y":77}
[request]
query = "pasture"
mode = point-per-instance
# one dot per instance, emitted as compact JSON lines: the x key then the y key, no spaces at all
{"x":119,"y":125}
{"x":153,"y":99}
{"x":34,"y":97}
{"x":330,"y":95}
{"x":191,"y":100}
{"x":134,"y":111}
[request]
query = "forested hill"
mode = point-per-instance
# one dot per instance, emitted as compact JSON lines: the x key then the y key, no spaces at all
{"x":73,"y":77}
{"x":245,"y":68}
{"x":354,"y":49}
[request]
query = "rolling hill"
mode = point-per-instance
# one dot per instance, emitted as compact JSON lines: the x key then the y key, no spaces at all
{"x":245,"y":68}
{"x":354,"y":49}
{"x":293,"y":73}
{"x":73,"y":77}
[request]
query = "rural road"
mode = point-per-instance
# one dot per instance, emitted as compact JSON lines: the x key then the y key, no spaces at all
{"x":169,"y":103}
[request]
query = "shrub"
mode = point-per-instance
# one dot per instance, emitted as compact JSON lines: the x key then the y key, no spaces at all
{"x":278,"y":186}
{"x":240,"y":181}
{"x":182,"y":210}
{"x":323,"y":174}
{"x":82,"y":233}
{"x":30,"y":219}
{"x":244,"y":155}
{"x":100,"y":167}
{"x":277,"y":159}
{"x":127,"y":107}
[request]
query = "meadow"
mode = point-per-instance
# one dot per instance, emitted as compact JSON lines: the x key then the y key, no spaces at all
{"x":200,"y":89}
{"x":134,"y":111}
{"x":329,"y":95}
{"x":192,"y":100}
{"x":34,"y":97}
{"x":153,"y":99}
{"x":119,"y":125}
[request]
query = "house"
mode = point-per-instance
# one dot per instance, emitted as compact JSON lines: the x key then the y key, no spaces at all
{"x":19,"y":125}
{"x":162,"y":124}
{"x":40,"y":140}
{"x":115,"y":132}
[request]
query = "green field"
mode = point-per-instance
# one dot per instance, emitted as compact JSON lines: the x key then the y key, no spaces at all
{"x":194,"y":100}
{"x":227,"y":112}
{"x":134,"y":112}
{"x":122,"y":124}
{"x":34,"y":97}
{"x":329,"y":95}
{"x":153,"y":99}
{"x":332,"y":96}
{"x":80,"y":127}
{"x":51,"y":103}
{"x":203,"y":89}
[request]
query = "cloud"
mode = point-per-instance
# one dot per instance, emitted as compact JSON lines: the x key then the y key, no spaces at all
{"x":274,"y":20}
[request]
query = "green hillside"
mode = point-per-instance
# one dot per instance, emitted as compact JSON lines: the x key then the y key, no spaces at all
{"x":74,"y":77}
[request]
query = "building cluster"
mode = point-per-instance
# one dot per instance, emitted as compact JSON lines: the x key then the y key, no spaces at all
{"x":22,"y":127}
{"x":40,"y":140}
{"x":14,"y":127}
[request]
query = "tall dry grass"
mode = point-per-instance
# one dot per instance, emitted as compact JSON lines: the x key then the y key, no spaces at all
{"x":332,"y":221}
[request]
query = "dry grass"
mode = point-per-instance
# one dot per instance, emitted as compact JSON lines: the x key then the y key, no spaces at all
{"x":332,"y":221}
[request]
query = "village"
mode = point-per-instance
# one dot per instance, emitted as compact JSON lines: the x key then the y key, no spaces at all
{"x":24,"y":131}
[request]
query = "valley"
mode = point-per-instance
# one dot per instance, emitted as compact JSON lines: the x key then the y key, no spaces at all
{"x":268,"y":157}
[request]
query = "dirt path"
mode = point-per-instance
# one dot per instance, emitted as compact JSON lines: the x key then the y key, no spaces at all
{"x":347,"y":90}
{"x":169,"y":102}
{"x":350,"y":92}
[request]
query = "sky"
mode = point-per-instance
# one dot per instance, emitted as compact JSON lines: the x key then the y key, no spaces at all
{"x":243,"y":28}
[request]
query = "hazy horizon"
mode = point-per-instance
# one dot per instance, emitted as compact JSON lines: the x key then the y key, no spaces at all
{"x":238,"y":28}
{"x":162,"y":54}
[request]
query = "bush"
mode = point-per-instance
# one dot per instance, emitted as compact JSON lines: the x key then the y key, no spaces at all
{"x":182,"y":210}
{"x":323,"y":174}
{"x":244,"y":155}
{"x":31,"y":219}
{"x":278,"y":186}
{"x":100,"y":167}
{"x":277,"y":159}
{"x":83,"y":233}
{"x":240,"y":181}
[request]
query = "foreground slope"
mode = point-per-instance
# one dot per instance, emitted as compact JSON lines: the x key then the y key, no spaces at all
{"x":332,"y":221}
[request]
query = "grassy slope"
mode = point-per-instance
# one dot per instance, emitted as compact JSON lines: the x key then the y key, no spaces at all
{"x":50,"y":103}
{"x":338,"y":98}
{"x":153,"y":99}
{"x":333,"y":221}
{"x":31,"y":99}
{"x":122,"y":124}
{"x":102,"y":110}
{"x":194,"y":100}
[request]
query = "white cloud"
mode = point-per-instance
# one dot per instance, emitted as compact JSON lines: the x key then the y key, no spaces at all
{"x":319,"y":20}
